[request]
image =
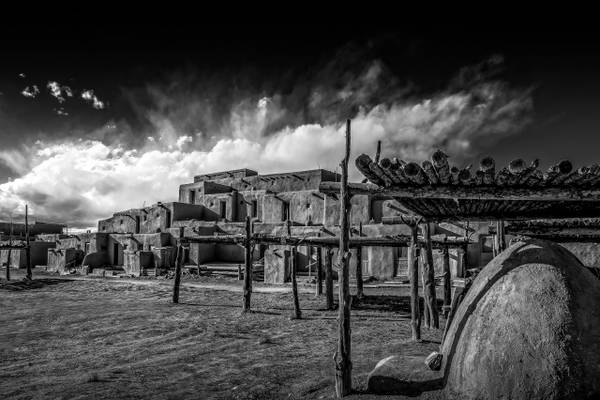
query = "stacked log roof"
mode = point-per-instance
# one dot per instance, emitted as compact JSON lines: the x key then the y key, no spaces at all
{"x":438,"y":190}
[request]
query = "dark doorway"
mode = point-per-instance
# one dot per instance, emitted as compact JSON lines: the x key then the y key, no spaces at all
{"x":223,"y":209}
{"x":137,"y":224}
{"x":116,"y":254}
{"x":192,"y":197}
{"x":254,"y":208}
{"x":285,"y":211}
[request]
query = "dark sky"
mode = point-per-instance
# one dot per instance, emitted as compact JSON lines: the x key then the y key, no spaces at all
{"x":177,"y":71}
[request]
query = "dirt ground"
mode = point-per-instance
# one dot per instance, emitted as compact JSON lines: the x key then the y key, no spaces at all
{"x":67,"y":338}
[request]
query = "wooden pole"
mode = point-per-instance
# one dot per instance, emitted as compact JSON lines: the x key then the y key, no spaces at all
{"x":500,"y":235}
{"x":319,"y":271}
{"x":422,"y":259}
{"x":297,"y":313}
{"x":343,"y":356}
{"x":359,"y":276}
{"x":329,"y":278}
{"x":447,"y":281}
{"x":413,"y":271}
{"x":430,"y":279}
{"x":8,"y":256}
{"x":247,"y":266}
{"x":27,"y":249}
{"x":177,"y":279}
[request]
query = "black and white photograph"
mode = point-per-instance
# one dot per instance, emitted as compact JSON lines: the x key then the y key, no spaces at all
{"x":344,"y":208}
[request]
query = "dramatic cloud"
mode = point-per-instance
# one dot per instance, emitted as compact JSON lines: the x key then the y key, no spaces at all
{"x":89,"y":96}
{"x":31,"y":91}
{"x":81,"y":181}
{"x":57,"y":91}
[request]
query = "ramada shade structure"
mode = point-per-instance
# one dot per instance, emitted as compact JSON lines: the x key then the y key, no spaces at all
{"x":437,"y":191}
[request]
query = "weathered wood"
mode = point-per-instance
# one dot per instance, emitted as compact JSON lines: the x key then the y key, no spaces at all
{"x":478,"y":180}
{"x":464,"y":176}
{"x":8,"y":256}
{"x":413,"y":274}
{"x":526,"y":176}
{"x":319,"y":288}
{"x":501,"y":237}
{"x":487,"y":165}
{"x":294,"y":262}
{"x":415,"y":174}
{"x":502,"y":177}
{"x":343,"y":356}
{"x":454,"y":172}
{"x":426,"y":316}
{"x":29,"y":274}
{"x":473,"y":192}
{"x":177,"y":278}
{"x":447,"y":280}
{"x":329,"y":279}
{"x":386,"y":166}
{"x":247,"y":266}
{"x":440,"y":162}
{"x":359,"y":276}
{"x":429,"y":274}
{"x":362,"y":163}
{"x":558,"y":173}
{"x":397,"y":168}
{"x":429,"y":170}
{"x":378,"y":152}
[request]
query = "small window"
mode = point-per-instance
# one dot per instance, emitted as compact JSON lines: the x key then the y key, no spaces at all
{"x":145,"y":217}
{"x":285,"y":211}
{"x":157,"y":215}
{"x":103,"y":228}
{"x":121,"y":222}
{"x":192,"y":196}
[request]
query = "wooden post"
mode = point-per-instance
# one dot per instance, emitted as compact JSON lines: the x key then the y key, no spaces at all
{"x":500,"y":236}
{"x":423,"y":260}
{"x":319,"y":271}
{"x":430,"y":280}
{"x":343,"y":356}
{"x":247,"y":266}
{"x":177,"y":279}
{"x":329,"y":277}
{"x":413,"y":273}
{"x":359,"y":277}
{"x":27,"y":248}
{"x":447,"y":280}
{"x":297,"y":313}
{"x":8,"y":256}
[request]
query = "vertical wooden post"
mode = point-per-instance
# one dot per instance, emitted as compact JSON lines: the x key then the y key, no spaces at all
{"x":8,"y":256}
{"x":423,"y":261}
{"x":429,"y":273}
{"x":359,"y":276}
{"x":329,"y":277}
{"x":463,"y":261}
{"x":343,"y":356}
{"x":500,"y":235}
{"x":447,"y":280}
{"x":247,"y":266}
{"x":297,"y":313}
{"x":177,"y":279}
{"x":309,"y":250}
{"x":413,"y":273}
{"x":27,"y":248}
{"x":319,"y":271}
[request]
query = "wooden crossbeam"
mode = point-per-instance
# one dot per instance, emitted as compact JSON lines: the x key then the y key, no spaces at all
{"x":468,"y":192}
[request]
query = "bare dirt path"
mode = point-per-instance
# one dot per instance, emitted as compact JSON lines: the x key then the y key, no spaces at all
{"x":123,"y":338}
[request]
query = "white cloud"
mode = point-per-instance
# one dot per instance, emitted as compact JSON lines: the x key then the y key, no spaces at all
{"x":80,"y":181}
{"x":30,"y":91}
{"x":56,"y":91}
{"x":89,"y":96}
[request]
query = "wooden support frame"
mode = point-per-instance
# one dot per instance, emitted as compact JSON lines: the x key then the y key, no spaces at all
{"x":294,"y":262}
{"x":359,"y":276}
{"x":247,"y":267}
{"x":29,"y":274}
{"x":429,"y":281}
{"x":413,"y":273}
{"x":343,"y":355}
{"x":447,"y":281}
{"x":329,"y":278}
{"x":177,"y":278}
{"x":319,"y":284}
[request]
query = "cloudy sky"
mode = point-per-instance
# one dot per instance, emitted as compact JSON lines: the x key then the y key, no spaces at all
{"x":105,"y":122}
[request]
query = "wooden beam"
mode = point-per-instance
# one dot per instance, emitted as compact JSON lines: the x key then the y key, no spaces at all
{"x":413,"y":274}
{"x":343,"y":356}
{"x":447,"y":281}
{"x":562,"y":237}
{"x":29,"y":274}
{"x":177,"y":279}
{"x":329,"y":278}
{"x":429,"y":281}
{"x":469,"y":192}
{"x":294,"y":262}
{"x":359,"y":276}
{"x":247,"y":266}
{"x":319,"y":289}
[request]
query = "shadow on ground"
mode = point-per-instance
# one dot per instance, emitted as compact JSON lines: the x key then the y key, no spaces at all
{"x":26,"y":284}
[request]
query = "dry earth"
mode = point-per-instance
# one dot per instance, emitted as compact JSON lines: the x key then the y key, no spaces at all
{"x":111,"y":338}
